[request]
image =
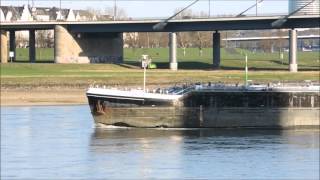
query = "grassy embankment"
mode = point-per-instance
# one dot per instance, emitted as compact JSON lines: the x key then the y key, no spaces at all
{"x":263,"y":67}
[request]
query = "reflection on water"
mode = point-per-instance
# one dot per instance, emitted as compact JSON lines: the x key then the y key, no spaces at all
{"x":62,"y":142}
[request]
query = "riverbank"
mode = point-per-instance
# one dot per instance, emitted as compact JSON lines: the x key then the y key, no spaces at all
{"x":49,"y":84}
{"x":42,"y":96}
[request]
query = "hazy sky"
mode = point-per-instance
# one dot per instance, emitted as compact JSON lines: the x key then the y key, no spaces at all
{"x":164,"y":8}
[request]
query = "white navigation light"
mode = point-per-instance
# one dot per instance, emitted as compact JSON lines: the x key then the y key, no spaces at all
{"x":11,"y":54}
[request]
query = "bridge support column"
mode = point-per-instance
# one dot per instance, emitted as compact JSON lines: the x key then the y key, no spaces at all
{"x":293,"y":66}
{"x":32,"y":46}
{"x":87,"y":47}
{"x":3,"y":46}
{"x":173,"y":51}
{"x":216,"y":50}
{"x":12,"y":44}
{"x":58,"y":43}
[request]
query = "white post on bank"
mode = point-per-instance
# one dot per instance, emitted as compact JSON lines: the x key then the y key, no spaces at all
{"x":144,"y":78}
{"x":145,"y":61}
{"x":246,"y":71}
{"x":11,"y":55}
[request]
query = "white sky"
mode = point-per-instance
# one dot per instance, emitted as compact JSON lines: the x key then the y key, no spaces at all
{"x":164,"y":8}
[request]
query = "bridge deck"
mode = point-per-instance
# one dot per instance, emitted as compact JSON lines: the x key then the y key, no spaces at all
{"x":223,"y":23}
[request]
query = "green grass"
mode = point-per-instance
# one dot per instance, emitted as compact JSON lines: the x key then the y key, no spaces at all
{"x":229,"y":60}
{"x":42,"y":54}
{"x":192,"y":60}
{"x":81,"y":75}
{"x":263,"y":68}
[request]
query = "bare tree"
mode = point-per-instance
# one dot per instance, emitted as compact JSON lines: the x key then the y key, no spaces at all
{"x":142,"y":40}
{"x":183,"y":39}
{"x":131,"y":39}
{"x":164,"y":40}
{"x":186,"y":14}
{"x":280,"y":42}
{"x":41,"y":36}
{"x":21,"y":39}
{"x":266,"y":45}
{"x":120,"y":13}
{"x":94,"y":11}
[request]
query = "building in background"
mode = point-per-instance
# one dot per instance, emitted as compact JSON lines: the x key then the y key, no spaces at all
{"x":312,"y":9}
{"x":27,"y":13}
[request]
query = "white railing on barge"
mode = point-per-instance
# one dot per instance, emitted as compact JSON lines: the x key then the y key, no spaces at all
{"x":177,"y":92}
{"x":133,"y":94}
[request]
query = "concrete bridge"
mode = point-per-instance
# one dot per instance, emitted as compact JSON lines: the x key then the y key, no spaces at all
{"x":101,"y":41}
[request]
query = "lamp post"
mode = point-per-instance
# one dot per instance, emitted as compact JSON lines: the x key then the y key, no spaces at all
{"x":60,"y":14}
{"x":115,"y":10}
{"x":246,"y":71}
{"x":256,"y":7}
{"x":145,"y":61}
{"x":209,"y":8}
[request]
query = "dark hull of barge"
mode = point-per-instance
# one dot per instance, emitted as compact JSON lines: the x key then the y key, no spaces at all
{"x":205,"y":109}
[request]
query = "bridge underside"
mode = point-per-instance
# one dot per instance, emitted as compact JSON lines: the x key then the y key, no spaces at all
{"x":215,"y":24}
{"x":73,"y":47}
{"x":4,"y":46}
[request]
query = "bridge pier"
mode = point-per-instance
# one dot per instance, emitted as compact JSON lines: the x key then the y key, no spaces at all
{"x":216,"y":50}
{"x":173,"y":51}
{"x":87,"y":47}
{"x":293,"y":66}
{"x":3,"y":46}
{"x":12,"y":44}
{"x":32,"y":46}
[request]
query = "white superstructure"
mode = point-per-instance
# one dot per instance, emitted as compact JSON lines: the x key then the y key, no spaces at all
{"x":131,"y":94}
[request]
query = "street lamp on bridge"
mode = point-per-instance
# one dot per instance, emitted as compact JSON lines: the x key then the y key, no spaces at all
{"x":115,"y":10}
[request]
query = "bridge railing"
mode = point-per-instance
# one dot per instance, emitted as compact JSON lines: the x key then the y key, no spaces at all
{"x":155,"y":18}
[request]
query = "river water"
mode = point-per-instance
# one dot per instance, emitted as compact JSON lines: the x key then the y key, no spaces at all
{"x":62,"y":142}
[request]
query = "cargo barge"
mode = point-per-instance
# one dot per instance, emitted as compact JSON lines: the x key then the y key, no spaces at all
{"x":208,"y":106}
